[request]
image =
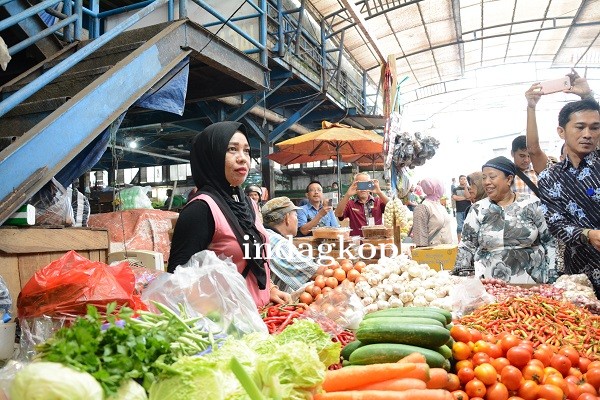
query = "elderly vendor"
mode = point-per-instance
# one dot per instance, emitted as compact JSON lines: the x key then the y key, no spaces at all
{"x":289,"y":267}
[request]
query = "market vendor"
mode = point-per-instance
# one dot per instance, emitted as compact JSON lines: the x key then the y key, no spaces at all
{"x":290,"y":269}
{"x":221,"y":217}
{"x":570,"y":190}
{"x":315,"y":213}
{"x":505,"y":235}
{"x":359,"y":206}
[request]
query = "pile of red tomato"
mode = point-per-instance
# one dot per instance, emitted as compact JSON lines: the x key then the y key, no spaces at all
{"x":505,"y":367}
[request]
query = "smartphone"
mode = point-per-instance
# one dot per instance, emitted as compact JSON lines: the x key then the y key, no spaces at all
{"x":369,"y":185}
{"x":330,"y":202}
{"x":556,"y":85}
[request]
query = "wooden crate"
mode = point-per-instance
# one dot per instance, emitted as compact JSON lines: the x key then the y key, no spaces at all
{"x":25,"y":250}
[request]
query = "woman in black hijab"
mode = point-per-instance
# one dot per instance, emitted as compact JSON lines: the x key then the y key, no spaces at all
{"x":222,"y":217}
{"x":505,"y":234}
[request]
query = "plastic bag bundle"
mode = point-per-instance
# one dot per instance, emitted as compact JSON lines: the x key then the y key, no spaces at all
{"x":411,"y":150}
{"x":211,"y":287}
{"x":5,"y":299}
{"x":53,"y":205}
{"x":134,"y":198}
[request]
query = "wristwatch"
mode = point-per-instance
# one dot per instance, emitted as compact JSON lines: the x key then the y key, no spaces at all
{"x":584,"y":236}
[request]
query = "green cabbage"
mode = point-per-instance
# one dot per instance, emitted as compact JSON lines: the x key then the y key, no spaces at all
{"x":130,"y":390}
{"x":54,"y":381}
{"x":303,"y":330}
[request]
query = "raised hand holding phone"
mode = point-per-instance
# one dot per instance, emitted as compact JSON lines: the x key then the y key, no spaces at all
{"x":556,"y":85}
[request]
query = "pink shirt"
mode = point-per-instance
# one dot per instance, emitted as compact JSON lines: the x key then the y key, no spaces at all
{"x":224,"y":242}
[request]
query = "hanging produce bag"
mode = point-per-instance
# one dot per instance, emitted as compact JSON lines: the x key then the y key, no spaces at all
{"x":66,"y":286}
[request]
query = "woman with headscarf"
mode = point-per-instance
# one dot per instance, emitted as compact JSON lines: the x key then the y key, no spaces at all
{"x":431,"y":221}
{"x":221,"y":217}
{"x":504,"y":235}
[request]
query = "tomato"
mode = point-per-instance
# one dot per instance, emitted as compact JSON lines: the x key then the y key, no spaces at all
{"x":584,"y":364}
{"x":571,"y":353}
{"x":461,"y":351}
{"x":573,"y":379}
{"x":480,"y":358}
{"x":592,"y":376}
{"x":511,"y":376}
{"x":481,"y":346}
{"x":453,"y":383}
{"x":497,"y":392}
{"x":575,"y":372}
{"x":515,"y":398}
{"x":460,"y":395}
{"x":518,"y":356}
{"x":556,"y":380}
{"x":465,"y":375}
{"x":528,"y":390}
{"x":587,"y":388}
{"x":550,"y":392}
{"x":475,"y":334}
{"x":572,"y":391}
{"x":543,"y":354}
{"x":533,"y":373}
{"x":528,"y":344}
{"x":594,"y":364}
{"x":499,"y":363}
{"x":486,"y":373}
{"x":359,"y":265}
{"x":475,"y":388}
{"x":551,"y":371}
{"x":537,"y":363}
{"x":460,"y":333}
{"x":464,"y":363}
{"x":561,"y":364}
{"x":494,"y":350}
{"x":508,"y":341}
{"x":586,"y":396}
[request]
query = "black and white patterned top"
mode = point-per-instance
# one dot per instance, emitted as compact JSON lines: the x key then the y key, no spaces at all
{"x":571,"y":202}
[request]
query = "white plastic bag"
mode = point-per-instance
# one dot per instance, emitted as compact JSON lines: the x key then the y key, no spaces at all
{"x":209,"y":286}
{"x":467,"y":295}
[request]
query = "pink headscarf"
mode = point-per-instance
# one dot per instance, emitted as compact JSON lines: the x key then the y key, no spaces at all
{"x":433,"y":188}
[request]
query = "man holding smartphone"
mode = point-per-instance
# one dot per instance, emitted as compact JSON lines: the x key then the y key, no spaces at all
{"x":315,"y":213}
{"x":360,"y":206}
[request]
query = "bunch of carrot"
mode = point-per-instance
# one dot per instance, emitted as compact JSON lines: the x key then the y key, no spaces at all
{"x":409,"y":378}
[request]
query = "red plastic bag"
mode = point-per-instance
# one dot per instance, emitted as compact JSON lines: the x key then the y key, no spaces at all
{"x":66,"y":286}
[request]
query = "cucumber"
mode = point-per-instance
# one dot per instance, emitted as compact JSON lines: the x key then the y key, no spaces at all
{"x":407,"y":312}
{"x":392,"y":352}
{"x":349,"y":348}
{"x":387,"y":330}
{"x":445,"y":351}
{"x":402,"y":320}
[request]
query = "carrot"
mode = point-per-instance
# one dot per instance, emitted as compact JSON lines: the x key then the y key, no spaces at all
{"x":438,"y":378}
{"x":410,"y":394}
{"x":415,"y":357}
{"x":361,"y":375}
{"x":396,"y":384}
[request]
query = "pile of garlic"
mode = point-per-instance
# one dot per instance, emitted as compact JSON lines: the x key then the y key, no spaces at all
{"x":396,"y":212}
{"x":402,"y":282}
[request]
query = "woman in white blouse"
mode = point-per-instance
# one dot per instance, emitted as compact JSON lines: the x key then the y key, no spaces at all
{"x":431,"y":221}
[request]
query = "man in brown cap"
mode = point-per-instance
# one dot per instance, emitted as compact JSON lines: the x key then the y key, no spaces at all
{"x":290,"y":268}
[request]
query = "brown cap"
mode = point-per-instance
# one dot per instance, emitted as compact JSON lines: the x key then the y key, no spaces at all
{"x":275,"y":209}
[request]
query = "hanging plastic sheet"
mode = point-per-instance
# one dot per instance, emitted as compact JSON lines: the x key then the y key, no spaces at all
{"x":169,"y":93}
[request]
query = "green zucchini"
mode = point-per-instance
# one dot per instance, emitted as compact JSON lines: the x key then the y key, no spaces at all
{"x":387,"y":330}
{"x":392,"y":352}
{"x":402,"y":320}
{"x":349,"y":348}
{"x":408,"y":312}
{"x":445,"y":351}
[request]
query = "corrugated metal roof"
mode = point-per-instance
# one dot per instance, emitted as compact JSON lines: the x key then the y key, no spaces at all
{"x":440,"y":40}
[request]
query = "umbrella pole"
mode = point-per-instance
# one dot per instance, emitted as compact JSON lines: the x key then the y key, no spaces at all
{"x":339,"y":174}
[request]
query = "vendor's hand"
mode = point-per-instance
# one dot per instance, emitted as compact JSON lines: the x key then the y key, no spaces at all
{"x":279,"y":297}
{"x":533,"y":95}
{"x":579,"y":85}
{"x":594,"y":236}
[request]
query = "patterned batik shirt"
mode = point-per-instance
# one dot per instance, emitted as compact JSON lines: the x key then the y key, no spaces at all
{"x":571,"y":202}
{"x":508,"y":244}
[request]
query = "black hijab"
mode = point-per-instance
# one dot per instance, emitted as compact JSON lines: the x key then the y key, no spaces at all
{"x":207,"y":160}
{"x":509,"y":168}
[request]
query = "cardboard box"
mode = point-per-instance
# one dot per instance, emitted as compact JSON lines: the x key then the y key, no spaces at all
{"x":437,"y":257}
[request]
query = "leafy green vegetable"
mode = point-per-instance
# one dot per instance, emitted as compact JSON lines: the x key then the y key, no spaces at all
{"x":53,"y":381}
{"x":130,"y":390}
{"x":191,"y":378}
{"x":303,"y":330}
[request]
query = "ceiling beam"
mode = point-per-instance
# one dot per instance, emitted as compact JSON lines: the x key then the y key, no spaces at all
{"x":369,"y":5}
{"x":573,"y":25}
{"x":361,"y":22}
{"x":458,"y":32}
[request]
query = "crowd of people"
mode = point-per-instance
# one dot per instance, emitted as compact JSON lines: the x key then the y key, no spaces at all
{"x":509,"y":216}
